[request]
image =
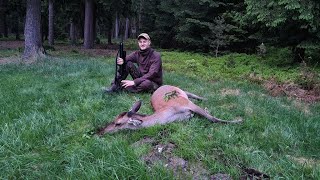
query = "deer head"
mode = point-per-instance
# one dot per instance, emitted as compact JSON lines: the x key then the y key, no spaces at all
{"x":125,"y":120}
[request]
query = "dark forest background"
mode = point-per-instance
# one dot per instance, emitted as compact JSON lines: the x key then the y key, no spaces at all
{"x":214,"y":27}
{"x":255,"y":60}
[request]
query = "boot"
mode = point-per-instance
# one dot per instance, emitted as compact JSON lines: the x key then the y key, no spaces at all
{"x":113,"y":89}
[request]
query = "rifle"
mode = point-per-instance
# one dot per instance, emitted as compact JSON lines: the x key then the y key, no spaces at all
{"x":120,"y":68}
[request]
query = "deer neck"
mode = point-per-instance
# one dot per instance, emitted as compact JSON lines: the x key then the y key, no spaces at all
{"x":160,"y":117}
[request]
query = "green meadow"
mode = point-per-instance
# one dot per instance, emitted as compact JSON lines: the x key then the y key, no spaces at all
{"x":50,"y":109}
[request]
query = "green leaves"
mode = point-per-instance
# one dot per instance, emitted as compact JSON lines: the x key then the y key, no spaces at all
{"x":276,"y":12}
{"x":293,"y":22}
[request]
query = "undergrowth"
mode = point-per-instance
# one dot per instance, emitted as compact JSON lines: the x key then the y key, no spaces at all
{"x":232,"y":66}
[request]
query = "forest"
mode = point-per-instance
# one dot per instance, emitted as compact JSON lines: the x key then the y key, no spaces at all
{"x":252,"y":60}
{"x":214,"y":27}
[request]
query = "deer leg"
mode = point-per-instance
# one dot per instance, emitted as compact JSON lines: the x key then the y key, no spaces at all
{"x":193,"y":96}
{"x":205,"y":114}
{"x":182,"y":113}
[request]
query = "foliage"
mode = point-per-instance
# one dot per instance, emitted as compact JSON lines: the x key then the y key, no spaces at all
{"x":165,"y":25}
{"x":214,"y":27}
{"x":191,"y":25}
{"x":197,"y":23}
{"x":275,"y":13}
{"x":15,"y":11}
{"x":278,"y":56}
{"x":107,"y":10}
{"x":218,"y":38}
{"x":146,"y":12}
{"x":293,"y":23}
{"x":131,"y":44}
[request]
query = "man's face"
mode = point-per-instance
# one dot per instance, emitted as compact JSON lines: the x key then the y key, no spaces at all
{"x":144,"y":43}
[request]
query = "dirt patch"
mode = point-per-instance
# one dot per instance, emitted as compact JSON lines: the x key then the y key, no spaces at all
{"x":97,"y":51}
{"x":162,"y":154}
{"x":11,"y":44}
{"x":7,"y":60}
{"x":288,"y":89}
{"x":292,"y":90}
{"x":8,"y":45}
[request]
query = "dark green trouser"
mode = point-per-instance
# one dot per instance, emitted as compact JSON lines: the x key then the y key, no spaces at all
{"x":144,"y":86}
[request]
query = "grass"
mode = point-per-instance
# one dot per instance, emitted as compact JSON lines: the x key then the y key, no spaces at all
{"x":49,"y":108}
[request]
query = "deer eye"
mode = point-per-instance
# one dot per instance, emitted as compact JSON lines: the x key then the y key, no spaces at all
{"x":130,"y":114}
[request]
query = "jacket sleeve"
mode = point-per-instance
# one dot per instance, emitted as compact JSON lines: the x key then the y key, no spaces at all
{"x":132,"y":57}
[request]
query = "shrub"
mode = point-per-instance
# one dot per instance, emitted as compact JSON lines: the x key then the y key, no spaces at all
{"x":308,"y":78}
{"x":279,"y":56}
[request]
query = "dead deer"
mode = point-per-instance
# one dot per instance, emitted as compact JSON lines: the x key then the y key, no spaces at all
{"x":169,"y":103}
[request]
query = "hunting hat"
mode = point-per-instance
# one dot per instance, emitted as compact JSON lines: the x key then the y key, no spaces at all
{"x":144,"y":35}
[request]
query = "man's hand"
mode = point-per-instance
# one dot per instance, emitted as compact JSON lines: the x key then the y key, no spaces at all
{"x":127,"y":83}
{"x":120,"y":61}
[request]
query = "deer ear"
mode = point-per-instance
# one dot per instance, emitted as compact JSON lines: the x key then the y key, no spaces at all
{"x":135,"y":107}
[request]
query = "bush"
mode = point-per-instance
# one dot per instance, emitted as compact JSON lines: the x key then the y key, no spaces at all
{"x":308,"y":78}
{"x":278,"y":56}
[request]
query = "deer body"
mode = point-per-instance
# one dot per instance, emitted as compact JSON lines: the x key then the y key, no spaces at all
{"x":169,"y":103}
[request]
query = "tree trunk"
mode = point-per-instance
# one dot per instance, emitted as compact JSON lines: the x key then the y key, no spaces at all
{"x":109,"y":38}
{"x":116,"y":27}
{"x":51,"y":23}
{"x":217,"y":50}
{"x":127,"y":29}
{"x":32,"y":30}
{"x":73,"y":38}
{"x":134,"y":28}
{"x":94,"y":22}
{"x":81,"y":21}
{"x":140,"y":16}
{"x":17,"y":28}
{"x":89,"y":25}
{"x":109,"y":32}
{"x":5,"y":26}
{"x":299,"y":54}
{"x":44,"y":28}
{"x":2,"y":18}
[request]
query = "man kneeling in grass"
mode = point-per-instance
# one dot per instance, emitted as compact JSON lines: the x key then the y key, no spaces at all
{"x":144,"y":66}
